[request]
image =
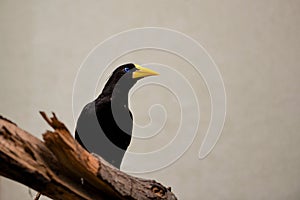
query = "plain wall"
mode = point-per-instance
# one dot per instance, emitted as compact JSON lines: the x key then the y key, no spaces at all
{"x":254,"y":43}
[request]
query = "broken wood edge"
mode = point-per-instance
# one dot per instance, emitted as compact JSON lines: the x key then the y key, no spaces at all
{"x":106,"y":171}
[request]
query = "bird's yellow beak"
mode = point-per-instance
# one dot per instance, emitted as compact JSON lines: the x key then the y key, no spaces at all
{"x":143,"y":72}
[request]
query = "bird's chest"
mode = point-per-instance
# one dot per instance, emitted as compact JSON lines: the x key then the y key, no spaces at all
{"x":116,"y":120}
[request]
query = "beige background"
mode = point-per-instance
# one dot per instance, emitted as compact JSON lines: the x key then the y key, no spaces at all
{"x":254,"y":43}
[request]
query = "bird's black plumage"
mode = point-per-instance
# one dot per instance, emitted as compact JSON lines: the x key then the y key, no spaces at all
{"x":105,"y":125}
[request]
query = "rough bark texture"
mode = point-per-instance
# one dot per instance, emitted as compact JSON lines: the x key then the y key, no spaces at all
{"x":60,"y":168}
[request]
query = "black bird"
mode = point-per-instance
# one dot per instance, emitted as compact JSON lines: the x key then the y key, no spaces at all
{"x":104,"y":126}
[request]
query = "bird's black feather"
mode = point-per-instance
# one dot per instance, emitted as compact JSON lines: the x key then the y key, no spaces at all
{"x":105,"y":125}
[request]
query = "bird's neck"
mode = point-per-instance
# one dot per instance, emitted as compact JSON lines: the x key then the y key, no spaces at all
{"x":119,"y":93}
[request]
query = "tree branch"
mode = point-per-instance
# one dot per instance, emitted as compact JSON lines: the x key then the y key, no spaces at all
{"x":61,"y":169}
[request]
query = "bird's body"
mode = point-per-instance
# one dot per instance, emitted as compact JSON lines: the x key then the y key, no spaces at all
{"x":105,"y":125}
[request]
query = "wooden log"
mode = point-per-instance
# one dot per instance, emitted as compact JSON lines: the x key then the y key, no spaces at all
{"x":60,"y":168}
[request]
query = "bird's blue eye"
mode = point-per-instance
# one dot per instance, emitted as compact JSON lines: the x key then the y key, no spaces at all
{"x":126,"y":69}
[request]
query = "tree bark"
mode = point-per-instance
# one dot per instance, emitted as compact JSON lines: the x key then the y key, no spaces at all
{"x":60,"y":168}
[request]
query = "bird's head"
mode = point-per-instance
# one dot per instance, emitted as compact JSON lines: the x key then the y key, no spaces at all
{"x":133,"y":71}
{"x":127,"y":75}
